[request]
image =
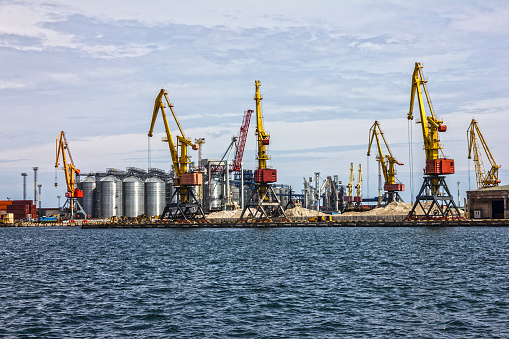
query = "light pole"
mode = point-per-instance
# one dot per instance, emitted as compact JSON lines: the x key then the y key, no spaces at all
{"x":40,"y":202}
{"x":459,"y":202}
{"x":24,"y":175}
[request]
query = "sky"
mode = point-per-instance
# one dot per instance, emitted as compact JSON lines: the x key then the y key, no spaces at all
{"x":328,"y":69}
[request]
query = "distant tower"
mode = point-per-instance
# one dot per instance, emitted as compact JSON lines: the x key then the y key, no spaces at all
{"x":35,"y":185}
{"x":40,"y":202}
{"x":24,"y":175}
{"x":58,"y":197}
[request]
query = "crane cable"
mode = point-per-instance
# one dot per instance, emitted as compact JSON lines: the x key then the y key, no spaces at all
{"x":367,"y":167}
{"x":149,"y":157}
{"x":411,"y":160}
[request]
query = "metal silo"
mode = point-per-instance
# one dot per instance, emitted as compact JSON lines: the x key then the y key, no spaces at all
{"x":88,"y":186}
{"x":118,"y":198}
{"x":284,"y":196}
{"x":134,"y":197}
{"x":212,"y":194}
{"x":235,"y":191}
{"x":108,"y":197}
{"x":155,"y":196}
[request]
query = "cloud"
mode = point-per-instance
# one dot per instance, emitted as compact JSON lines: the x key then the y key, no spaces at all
{"x":328,"y":70}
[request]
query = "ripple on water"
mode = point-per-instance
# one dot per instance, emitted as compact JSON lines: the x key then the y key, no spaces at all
{"x":296,"y":282}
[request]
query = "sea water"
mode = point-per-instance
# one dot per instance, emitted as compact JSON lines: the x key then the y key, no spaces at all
{"x":268,"y":282}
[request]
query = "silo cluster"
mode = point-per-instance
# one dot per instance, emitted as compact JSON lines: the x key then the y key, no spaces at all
{"x":129,"y":193}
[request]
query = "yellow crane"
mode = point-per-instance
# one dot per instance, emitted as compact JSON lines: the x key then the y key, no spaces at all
{"x":387,"y":163}
{"x":71,"y":205}
{"x":483,"y":178}
{"x":263,"y":199}
{"x":434,"y":187}
{"x":358,"y":198}
{"x":187,"y":205}
{"x":349,"y":198}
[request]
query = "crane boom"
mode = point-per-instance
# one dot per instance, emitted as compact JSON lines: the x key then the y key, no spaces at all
{"x":241,"y":140}
{"x":483,"y":178}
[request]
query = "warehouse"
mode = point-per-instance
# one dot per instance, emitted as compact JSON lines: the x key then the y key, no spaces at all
{"x":488,"y":203}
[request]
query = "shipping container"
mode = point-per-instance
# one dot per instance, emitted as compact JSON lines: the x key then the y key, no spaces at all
{"x":265,"y":175}
{"x":192,"y":179}
{"x":440,"y":166}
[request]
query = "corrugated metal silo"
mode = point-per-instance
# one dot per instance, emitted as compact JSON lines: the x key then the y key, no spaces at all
{"x":155,"y":196}
{"x":118,"y":198}
{"x":235,"y":194}
{"x":88,"y":186}
{"x":284,"y":196}
{"x":213,"y":197}
{"x":108,"y":198}
{"x":134,"y":197}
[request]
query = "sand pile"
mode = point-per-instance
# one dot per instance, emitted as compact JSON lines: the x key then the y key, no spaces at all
{"x":299,"y":211}
{"x":235,"y":214}
{"x":394,"y":208}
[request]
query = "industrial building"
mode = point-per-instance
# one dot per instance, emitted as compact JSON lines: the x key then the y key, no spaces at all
{"x":488,"y":203}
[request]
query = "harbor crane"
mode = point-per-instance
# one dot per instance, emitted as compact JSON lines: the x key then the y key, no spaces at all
{"x":183,"y":203}
{"x":484,"y":179}
{"x":349,"y":199}
{"x":387,"y":163}
{"x":358,"y":198}
{"x":72,"y":206}
{"x":263,"y":200}
{"x":434,"y":188}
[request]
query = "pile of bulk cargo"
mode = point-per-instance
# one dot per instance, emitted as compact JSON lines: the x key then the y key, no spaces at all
{"x":12,"y":210}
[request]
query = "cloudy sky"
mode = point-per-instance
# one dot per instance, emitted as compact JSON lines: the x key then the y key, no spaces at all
{"x":328,"y":70}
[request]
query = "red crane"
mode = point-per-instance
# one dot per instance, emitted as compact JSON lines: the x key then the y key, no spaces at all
{"x":240,"y":145}
{"x":241,"y":141}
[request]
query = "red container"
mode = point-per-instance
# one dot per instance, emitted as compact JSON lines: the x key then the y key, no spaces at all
{"x":357,"y":199}
{"x":442,"y":128}
{"x":394,"y":187}
{"x":191,"y":179}
{"x":348,"y":198}
{"x":265,"y":175}
{"x":22,"y":202}
{"x":440,"y":166}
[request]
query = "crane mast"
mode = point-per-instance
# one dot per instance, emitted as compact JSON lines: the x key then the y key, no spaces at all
{"x":387,"y":163}
{"x":187,"y":205}
{"x":73,"y":192}
{"x":434,"y":188}
{"x":484,"y":179}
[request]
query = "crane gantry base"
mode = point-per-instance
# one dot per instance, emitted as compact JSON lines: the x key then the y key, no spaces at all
{"x":191,"y":209}
{"x":72,"y":208}
{"x":265,"y":202}
{"x":434,"y":189}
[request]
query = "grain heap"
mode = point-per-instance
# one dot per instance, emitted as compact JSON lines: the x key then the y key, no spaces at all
{"x":394,"y":208}
{"x":299,"y":211}
{"x":235,"y":214}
